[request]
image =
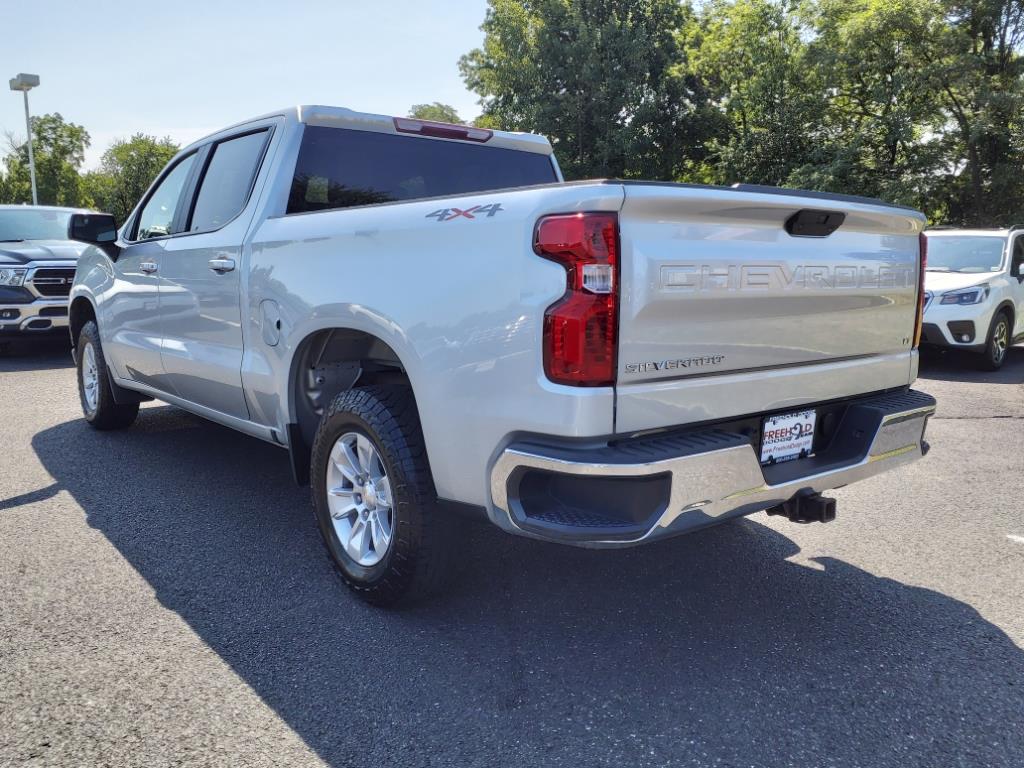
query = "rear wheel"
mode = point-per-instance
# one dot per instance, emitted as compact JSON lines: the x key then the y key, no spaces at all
{"x":94,"y":390}
{"x":374,"y":497}
{"x":997,"y":343}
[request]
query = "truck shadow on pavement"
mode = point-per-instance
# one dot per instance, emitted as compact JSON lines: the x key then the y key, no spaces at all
{"x":707,"y":646}
{"x":954,"y":365}
{"x":38,"y":354}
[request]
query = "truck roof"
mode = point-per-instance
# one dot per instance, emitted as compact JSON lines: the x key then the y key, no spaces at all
{"x":342,"y":117}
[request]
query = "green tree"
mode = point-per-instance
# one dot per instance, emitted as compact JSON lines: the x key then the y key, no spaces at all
{"x":438,"y":112}
{"x":752,"y":56}
{"x":125,"y":172}
{"x":59,"y":150}
{"x":601,"y":78}
{"x":974,"y":60}
{"x":925,"y":107}
{"x":880,"y":133}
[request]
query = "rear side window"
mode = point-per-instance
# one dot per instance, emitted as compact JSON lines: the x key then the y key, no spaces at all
{"x":227,"y":181}
{"x":339,"y":168}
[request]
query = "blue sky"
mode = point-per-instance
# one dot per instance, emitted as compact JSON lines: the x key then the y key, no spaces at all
{"x":186,"y":68}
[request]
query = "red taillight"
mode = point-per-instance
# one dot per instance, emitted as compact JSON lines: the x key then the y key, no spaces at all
{"x":580,"y":329}
{"x":442,"y":130}
{"x":922,"y":266}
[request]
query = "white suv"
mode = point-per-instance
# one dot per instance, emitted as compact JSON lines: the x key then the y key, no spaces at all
{"x":974,"y":291}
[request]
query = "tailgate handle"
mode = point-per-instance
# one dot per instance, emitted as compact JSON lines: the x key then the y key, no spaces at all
{"x":812,"y":223}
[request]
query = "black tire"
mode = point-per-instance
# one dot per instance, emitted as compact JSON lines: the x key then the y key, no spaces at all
{"x":106,"y":413}
{"x":417,"y":561}
{"x":997,"y":343}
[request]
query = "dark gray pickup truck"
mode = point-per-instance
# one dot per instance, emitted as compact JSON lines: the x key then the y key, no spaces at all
{"x":37,"y":269}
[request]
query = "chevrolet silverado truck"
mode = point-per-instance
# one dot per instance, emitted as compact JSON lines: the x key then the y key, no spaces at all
{"x":974,"y":292}
{"x":433,"y":323}
{"x":37,"y":268}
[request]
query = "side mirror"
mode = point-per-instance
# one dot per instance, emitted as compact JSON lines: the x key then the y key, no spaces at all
{"x":99,"y":229}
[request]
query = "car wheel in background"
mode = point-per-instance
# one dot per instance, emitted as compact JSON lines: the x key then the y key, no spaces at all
{"x":94,"y":390}
{"x":997,"y":343}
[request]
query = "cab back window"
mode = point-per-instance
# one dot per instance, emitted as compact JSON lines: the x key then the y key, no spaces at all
{"x":340,"y":168}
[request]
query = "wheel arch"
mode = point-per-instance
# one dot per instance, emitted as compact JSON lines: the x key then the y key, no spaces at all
{"x":80,"y":311}
{"x":1007,"y":307}
{"x":330,"y":360}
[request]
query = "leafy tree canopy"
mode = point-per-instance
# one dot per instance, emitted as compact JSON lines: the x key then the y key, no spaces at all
{"x":59,"y":150}
{"x":438,"y":112}
{"x":126,"y":170}
{"x":914,"y":101}
{"x":918,"y":102}
{"x":604,"y":79}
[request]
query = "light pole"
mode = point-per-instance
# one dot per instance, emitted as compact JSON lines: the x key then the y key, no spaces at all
{"x":26,"y":83}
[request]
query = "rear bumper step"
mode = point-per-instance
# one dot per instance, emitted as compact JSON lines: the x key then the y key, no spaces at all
{"x":649,"y":488}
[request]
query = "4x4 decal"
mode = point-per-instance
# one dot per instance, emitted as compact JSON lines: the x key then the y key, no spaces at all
{"x":448,"y":214}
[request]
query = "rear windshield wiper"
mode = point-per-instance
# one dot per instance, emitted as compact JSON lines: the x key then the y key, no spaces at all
{"x":938,"y":269}
{"x":13,"y":240}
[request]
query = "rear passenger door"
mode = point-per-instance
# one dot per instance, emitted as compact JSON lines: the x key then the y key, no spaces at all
{"x":200,"y":301}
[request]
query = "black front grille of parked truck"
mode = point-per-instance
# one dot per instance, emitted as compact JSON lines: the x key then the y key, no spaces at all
{"x":53,"y":281}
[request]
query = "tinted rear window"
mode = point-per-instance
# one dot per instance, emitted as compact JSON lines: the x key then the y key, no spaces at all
{"x":339,"y":168}
{"x":227,"y":181}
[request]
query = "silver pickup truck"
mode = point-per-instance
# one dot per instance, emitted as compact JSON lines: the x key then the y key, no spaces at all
{"x":431,"y":322}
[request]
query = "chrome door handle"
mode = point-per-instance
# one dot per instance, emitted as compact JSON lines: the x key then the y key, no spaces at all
{"x":222,"y":265}
{"x":149,"y":267}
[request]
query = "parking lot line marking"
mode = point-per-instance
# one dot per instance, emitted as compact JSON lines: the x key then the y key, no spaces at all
{"x":1014,"y":537}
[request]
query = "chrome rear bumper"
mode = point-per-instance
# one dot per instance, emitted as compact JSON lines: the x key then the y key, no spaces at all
{"x":655,"y":487}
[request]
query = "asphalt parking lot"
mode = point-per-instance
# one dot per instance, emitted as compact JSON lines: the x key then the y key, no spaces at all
{"x":164,"y":600}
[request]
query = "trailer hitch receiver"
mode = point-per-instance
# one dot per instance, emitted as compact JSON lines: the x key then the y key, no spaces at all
{"x":808,"y":508}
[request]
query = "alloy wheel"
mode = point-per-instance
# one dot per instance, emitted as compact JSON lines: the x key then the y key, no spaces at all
{"x":90,"y":378}
{"x":1000,"y":340}
{"x":359,"y":499}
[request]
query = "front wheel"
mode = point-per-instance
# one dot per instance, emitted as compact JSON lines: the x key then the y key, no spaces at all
{"x":374,"y":498}
{"x":997,"y":344}
{"x":94,"y":389}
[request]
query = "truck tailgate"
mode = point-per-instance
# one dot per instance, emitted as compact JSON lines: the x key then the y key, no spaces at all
{"x":714,"y":287}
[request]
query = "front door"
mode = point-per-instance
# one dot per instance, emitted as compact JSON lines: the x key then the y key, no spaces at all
{"x":132,"y":309}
